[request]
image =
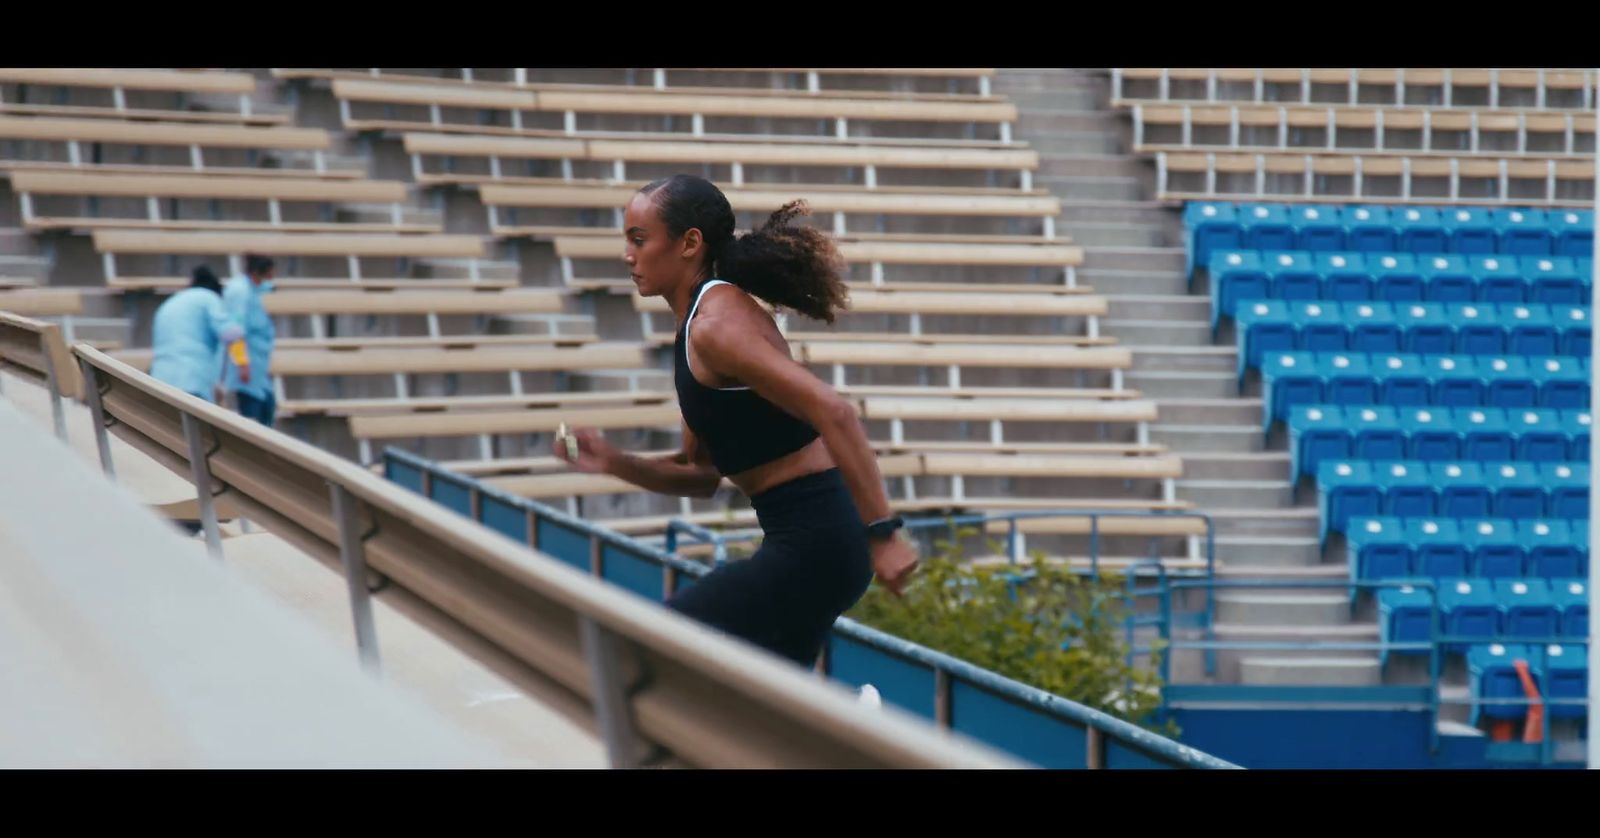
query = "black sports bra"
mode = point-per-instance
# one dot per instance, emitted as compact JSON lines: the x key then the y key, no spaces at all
{"x":740,"y":429}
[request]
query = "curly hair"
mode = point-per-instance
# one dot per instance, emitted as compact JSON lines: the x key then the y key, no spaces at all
{"x":798,"y":268}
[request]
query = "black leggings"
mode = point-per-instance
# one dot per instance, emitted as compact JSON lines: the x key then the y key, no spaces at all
{"x":813,"y":564}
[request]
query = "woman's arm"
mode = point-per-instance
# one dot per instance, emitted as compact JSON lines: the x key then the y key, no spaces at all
{"x":687,"y":473}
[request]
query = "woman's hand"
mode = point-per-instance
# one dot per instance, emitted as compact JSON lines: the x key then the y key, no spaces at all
{"x":893,"y":562}
{"x":594,"y":453}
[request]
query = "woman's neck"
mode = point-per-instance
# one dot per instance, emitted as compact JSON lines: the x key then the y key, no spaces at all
{"x":681,"y":299}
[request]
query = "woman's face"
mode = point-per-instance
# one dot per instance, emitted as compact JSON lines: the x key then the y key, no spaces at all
{"x":656,"y":261}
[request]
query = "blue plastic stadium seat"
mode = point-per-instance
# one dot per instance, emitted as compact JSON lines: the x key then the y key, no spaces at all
{"x":1518,"y":489}
{"x":1445,"y":278}
{"x":1437,"y":549}
{"x":1573,"y":324}
{"x":1407,"y":486}
{"x":1316,"y":433}
{"x":1402,"y":379}
{"x":1372,"y":326}
{"x":1344,"y":276}
{"x":1288,"y":379}
{"x":1566,"y":681}
{"x":1461,"y":489}
{"x":1395,"y":277}
{"x":1375,"y":433}
{"x":1378,"y":548}
{"x":1405,"y":615}
{"x":1319,"y":327}
{"x":1420,"y":230}
{"x":1262,"y":326}
{"x":1317,"y":227}
{"x":1494,"y":548}
{"x":1493,"y":676}
{"x":1485,"y":434}
{"x":1347,"y":378}
{"x":1577,"y":423}
{"x":1574,"y":232}
{"x":1522,"y":231}
{"x":1497,"y":278}
{"x":1431,"y":434}
{"x":1236,"y":275}
{"x":1456,"y":382}
{"x":1212,"y":226}
{"x":1508,"y":382}
{"x":1426,"y":328}
{"x":1345,"y":489}
{"x":1368,"y":229}
{"x":1527,"y":612}
{"x":1294,"y":276}
{"x":1571,"y":596}
{"x":1567,"y":485}
{"x":1266,"y":227}
{"x":1470,"y":230}
{"x":1530,"y":329}
{"x":1562,"y":382}
{"x":1540,"y":435}
{"x":1551,"y":551}
{"x":1478,"y":329}
{"x":1470,"y":612}
{"x":1556,"y":279}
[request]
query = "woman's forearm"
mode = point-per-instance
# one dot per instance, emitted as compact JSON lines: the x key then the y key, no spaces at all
{"x":852,"y":452}
{"x":668,"y":476}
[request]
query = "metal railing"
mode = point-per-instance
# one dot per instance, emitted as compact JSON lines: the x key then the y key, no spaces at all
{"x":1044,"y":728}
{"x":35,"y":350}
{"x":655,"y":685}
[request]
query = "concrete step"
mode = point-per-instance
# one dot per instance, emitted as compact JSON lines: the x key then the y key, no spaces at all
{"x":1192,"y":358}
{"x":1150,"y":306}
{"x":1286,"y":572}
{"x":1092,"y":165}
{"x":1306,"y":671}
{"x":1189,"y":664}
{"x":1256,"y":465}
{"x":1290,"y":522}
{"x":1287,"y":608}
{"x":1043,"y":78}
{"x":17,"y":242}
{"x":1038,"y":120}
{"x":462,"y":268}
{"x":1238,"y":412}
{"x":1166,"y":259}
{"x":1079,"y":142}
{"x":1259,"y":494}
{"x":1152,"y":283}
{"x":1182,"y":438}
{"x":1269,"y":553}
{"x":1155,"y":332}
{"x":1120,"y":212}
{"x":1076,"y":188}
{"x":1083,"y":97}
{"x":1162,"y":384}
{"x":29,"y":267}
{"x":1091,"y":235}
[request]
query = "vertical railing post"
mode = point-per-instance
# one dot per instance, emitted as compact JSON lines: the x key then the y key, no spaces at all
{"x":352,"y":556}
{"x":608,"y":695}
{"x":102,"y":439}
{"x":201,"y":472}
{"x":53,"y":383}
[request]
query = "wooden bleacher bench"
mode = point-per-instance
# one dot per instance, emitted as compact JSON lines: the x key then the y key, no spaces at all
{"x":893,"y":300}
{"x":899,"y":354}
{"x":1008,"y":410}
{"x":118,"y":81}
{"x":527,"y":421}
{"x":515,"y":301}
{"x":273,"y":191}
{"x":1394,"y":79}
{"x":1547,"y":174}
{"x":598,"y":99}
{"x":445,"y":404}
{"x":352,"y":246}
{"x":42,"y":302}
{"x":156,"y":133}
{"x":1423,"y":121}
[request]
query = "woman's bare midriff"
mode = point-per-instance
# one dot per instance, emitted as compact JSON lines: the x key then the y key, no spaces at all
{"x":796,"y":464}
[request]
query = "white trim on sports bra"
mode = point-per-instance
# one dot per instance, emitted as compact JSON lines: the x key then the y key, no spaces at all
{"x":687,"y":320}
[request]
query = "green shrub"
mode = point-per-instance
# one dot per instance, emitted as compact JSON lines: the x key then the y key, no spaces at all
{"x":1040,"y":624}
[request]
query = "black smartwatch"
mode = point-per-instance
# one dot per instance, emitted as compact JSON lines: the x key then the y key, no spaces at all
{"x":884,"y":529}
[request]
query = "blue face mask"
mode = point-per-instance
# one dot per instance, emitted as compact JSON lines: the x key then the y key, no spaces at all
{"x":266,"y":286}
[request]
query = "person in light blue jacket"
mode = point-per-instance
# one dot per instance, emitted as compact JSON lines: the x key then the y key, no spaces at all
{"x":189,"y":333}
{"x":251,"y":383}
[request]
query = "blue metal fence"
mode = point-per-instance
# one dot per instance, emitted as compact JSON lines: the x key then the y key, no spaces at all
{"x":1035,"y":725}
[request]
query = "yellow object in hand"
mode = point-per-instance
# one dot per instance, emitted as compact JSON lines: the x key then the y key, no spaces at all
{"x":237,"y":352}
{"x":570,"y":441}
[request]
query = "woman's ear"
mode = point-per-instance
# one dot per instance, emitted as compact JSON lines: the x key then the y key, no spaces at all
{"x":693,"y":243}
